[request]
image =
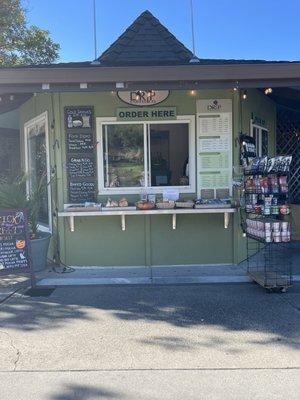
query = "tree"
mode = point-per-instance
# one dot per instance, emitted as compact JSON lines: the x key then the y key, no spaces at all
{"x":21,"y":44}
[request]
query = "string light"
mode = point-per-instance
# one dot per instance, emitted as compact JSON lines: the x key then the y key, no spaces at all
{"x":236,"y":87}
{"x":268,"y":91}
{"x":244,"y":95}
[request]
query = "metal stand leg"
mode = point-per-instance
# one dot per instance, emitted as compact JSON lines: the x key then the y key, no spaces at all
{"x":226,"y":220}
{"x":72,"y":224}
{"x":123,"y":223}
{"x":174,"y":221}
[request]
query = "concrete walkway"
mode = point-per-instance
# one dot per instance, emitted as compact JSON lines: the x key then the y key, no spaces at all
{"x":146,"y":275}
{"x":157,"y":275}
{"x":151,"y":342}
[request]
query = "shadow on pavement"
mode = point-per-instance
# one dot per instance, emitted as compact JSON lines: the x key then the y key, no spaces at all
{"x":81,"y":392}
{"x":240,"y":307}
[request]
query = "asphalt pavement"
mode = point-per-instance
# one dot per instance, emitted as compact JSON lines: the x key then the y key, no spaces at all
{"x":211,"y":342}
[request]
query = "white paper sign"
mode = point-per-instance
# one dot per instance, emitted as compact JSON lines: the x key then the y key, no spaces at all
{"x":171,"y":194}
{"x":214,"y":145}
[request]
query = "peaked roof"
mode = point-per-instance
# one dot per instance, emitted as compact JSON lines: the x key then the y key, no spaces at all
{"x":146,"y":42}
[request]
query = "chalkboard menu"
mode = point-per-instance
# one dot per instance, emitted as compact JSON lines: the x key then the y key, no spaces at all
{"x":81,"y":192}
{"x":81,"y":167}
{"x":79,"y":118}
{"x":80,"y":157}
{"x":14,"y":243}
{"x":80,"y":142}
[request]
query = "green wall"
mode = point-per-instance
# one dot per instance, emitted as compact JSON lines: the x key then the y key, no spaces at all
{"x":10,"y":120}
{"x":198,"y":239}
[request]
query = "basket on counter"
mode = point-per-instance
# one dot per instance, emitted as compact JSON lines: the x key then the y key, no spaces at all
{"x":145,"y":205}
{"x":184,"y":204}
{"x":165,"y":205}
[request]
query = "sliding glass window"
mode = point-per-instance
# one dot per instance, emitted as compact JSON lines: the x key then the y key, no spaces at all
{"x":144,"y":155}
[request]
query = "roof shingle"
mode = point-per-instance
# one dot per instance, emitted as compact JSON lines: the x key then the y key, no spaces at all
{"x":146,"y":42}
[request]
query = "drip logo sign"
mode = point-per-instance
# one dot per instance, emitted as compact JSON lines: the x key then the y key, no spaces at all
{"x":214,"y":106}
{"x":14,"y":243}
{"x":144,"y":97}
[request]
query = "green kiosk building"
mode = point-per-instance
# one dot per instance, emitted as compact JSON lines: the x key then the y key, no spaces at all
{"x":147,"y":119}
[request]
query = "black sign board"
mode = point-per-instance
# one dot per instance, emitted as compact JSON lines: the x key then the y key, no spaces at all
{"x":81,"y":167}
{"x":14,"y":240}
{"x":247,"y":149}
{"x":80,"y":192}
{"x":80,"y":157}
{"x":79,"y":118}
{"x":80,"y":142}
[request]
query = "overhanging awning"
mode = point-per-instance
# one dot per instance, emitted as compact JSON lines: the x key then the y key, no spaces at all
{"x":31,"y":79}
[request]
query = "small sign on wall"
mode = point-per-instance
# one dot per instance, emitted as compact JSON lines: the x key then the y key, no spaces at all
{"x":79,"y":118}
{"x":146,"y":114}
{"x":143,"y":98}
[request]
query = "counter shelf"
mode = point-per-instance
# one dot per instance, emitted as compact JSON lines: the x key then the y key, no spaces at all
{"x":71,"y":215}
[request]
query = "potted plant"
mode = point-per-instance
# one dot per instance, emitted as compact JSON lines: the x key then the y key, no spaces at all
{"x":13,"y":195}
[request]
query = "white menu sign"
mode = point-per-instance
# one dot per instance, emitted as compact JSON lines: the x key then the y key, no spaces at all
{"x":214,"y":145}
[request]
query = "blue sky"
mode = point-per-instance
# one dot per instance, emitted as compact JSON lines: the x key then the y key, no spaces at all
{"x":252,"y":29}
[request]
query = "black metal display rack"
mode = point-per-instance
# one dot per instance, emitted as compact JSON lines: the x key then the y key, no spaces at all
{"x":268,"y":232}
{"x":269,"y":264}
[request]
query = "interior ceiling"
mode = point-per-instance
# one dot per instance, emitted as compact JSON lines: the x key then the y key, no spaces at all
{"x":10,"y":102}
{"x":288,"y":97}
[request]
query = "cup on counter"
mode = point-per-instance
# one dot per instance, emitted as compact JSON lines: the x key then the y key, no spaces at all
{"x":284,"y":226}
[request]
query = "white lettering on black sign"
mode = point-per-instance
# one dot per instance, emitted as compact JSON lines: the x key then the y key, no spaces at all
{"x":80,"y":192}
{"x":81,"y":167}
{"x":14,"y":241}
{"x":80,"y":142}
{"x":79,"y":118}
{"x":81,"y":160}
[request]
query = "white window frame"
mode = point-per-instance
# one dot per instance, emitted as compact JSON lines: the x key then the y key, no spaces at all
{"x":259,"y":143}
{"x":40,"y":119}
{"x":188,"y":119}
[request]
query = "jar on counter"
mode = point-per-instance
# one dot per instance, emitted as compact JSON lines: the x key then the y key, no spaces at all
{"x":284,"y":209}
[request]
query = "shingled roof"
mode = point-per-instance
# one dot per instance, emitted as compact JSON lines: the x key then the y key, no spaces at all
{"x":146,"y":42}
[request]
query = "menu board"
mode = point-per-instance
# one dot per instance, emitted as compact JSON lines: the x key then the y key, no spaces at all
{"x":214,"y":145}
{"x":80,"y":142}
{"x":80,"y":157}
{"x":81,"y":167}
{"x":79,"y":118}
{"x":213,"y":161}
{"x":14,"y":243}
{"x":80,"y":192}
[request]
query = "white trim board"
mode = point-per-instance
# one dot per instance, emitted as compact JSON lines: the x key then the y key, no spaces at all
{"x":191,"y":188}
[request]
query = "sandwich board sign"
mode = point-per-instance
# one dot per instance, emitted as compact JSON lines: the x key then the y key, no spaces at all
{"x":14,"y":242}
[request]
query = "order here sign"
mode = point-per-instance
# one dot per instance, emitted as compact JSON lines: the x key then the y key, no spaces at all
{"x":145,"y":114}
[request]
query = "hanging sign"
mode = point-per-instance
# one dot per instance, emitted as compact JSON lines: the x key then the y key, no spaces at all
{"x":146,"y":114}
{"x":143,"y":98}
{"x":14,"y":240}
{"x":257,"y":120}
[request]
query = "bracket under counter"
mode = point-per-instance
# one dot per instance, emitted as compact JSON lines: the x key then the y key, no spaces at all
{"x":71,"y":215}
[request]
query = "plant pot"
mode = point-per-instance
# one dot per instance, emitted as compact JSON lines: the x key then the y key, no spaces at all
{"x":39,"y":251}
